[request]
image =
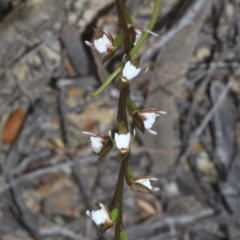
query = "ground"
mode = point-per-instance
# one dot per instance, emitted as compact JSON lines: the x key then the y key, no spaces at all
{"x":48,"y":175}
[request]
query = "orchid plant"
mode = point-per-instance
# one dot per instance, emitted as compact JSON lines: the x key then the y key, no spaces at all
{"x":131,"y":38}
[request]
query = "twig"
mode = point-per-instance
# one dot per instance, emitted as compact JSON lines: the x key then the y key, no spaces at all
{"x":163,"y":236}
{"x":33,"y":51}
{"x":22,"y":214}
{"x":237,"y":3}
{"x":67,"y":137}
{"x":35,"y":155}
{"x":186,"y":20}
{"x":168,"y":221}
{"x":46,"y":170}
{"x":199,"y":96}
{"x":61,"y":231}
{"x":199,"y":130}
{"x":82,"y":182}
{"x":208,"y":229}
{"x":17,"y":205}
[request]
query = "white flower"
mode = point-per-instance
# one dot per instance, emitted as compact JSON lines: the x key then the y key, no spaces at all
{"x":102,"y":44}
{"x":101,"y":144}
{"x":130,"y":71}
{"x":96,"y":144}
{"x":149,"y":118}
{"x":146,"y":182}
{"x":122,"y":141}
{"x":100,"y":216}
{"x":96,"y":141}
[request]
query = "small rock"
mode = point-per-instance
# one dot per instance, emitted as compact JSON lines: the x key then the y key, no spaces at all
{"x":89,"y":15}
{"x":236,"y":87}
{"x":72,"y":18}
{"x":53,"y":58}
{"x":230,"y":10}
{"x":32,"y":201}
{"x":202,"y":53}
{"x":78,"y":5}
{"x":81,"y":23}
{"x":68,"y":4}
{"x":204,"y":164}
{"x":34,"y":60}
{"x":171,"y":189}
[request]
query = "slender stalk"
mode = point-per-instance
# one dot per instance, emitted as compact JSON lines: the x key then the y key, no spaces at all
{"x":134,"y":50}
{"x":122,"y":113}
{"x":123,"y":25}
{"x":106,"y":83}
{"x":117,"y":201}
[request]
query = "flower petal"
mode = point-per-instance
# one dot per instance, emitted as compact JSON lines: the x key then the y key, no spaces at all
{"x":138,"y":36}
{"x":152,"y":132}
{"x":130,"y":71}
{"x":89,"y":214}
{"x":96,"y":144}
{"x":145,"y":182}
{"x":149,"y":121}
{"x":122,"y":140}
{"x":102,"y":44}
{"x":89,"y":44}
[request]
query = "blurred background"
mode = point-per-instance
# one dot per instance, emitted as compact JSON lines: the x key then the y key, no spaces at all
{"x":48,"y":176}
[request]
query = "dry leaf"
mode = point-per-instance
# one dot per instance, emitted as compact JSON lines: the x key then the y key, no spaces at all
{"x":158,"y":206}
{"x":70,"y":71}
{"x":146,"y":206}
{"x":75,"y":92}
{"x":198,"y":147}
{"x":13,"y":126}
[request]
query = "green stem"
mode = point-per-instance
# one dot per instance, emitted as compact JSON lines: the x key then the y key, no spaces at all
{"x":156,"y":9}
{"x":151,"y":24}
{"x":106,"y":83}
